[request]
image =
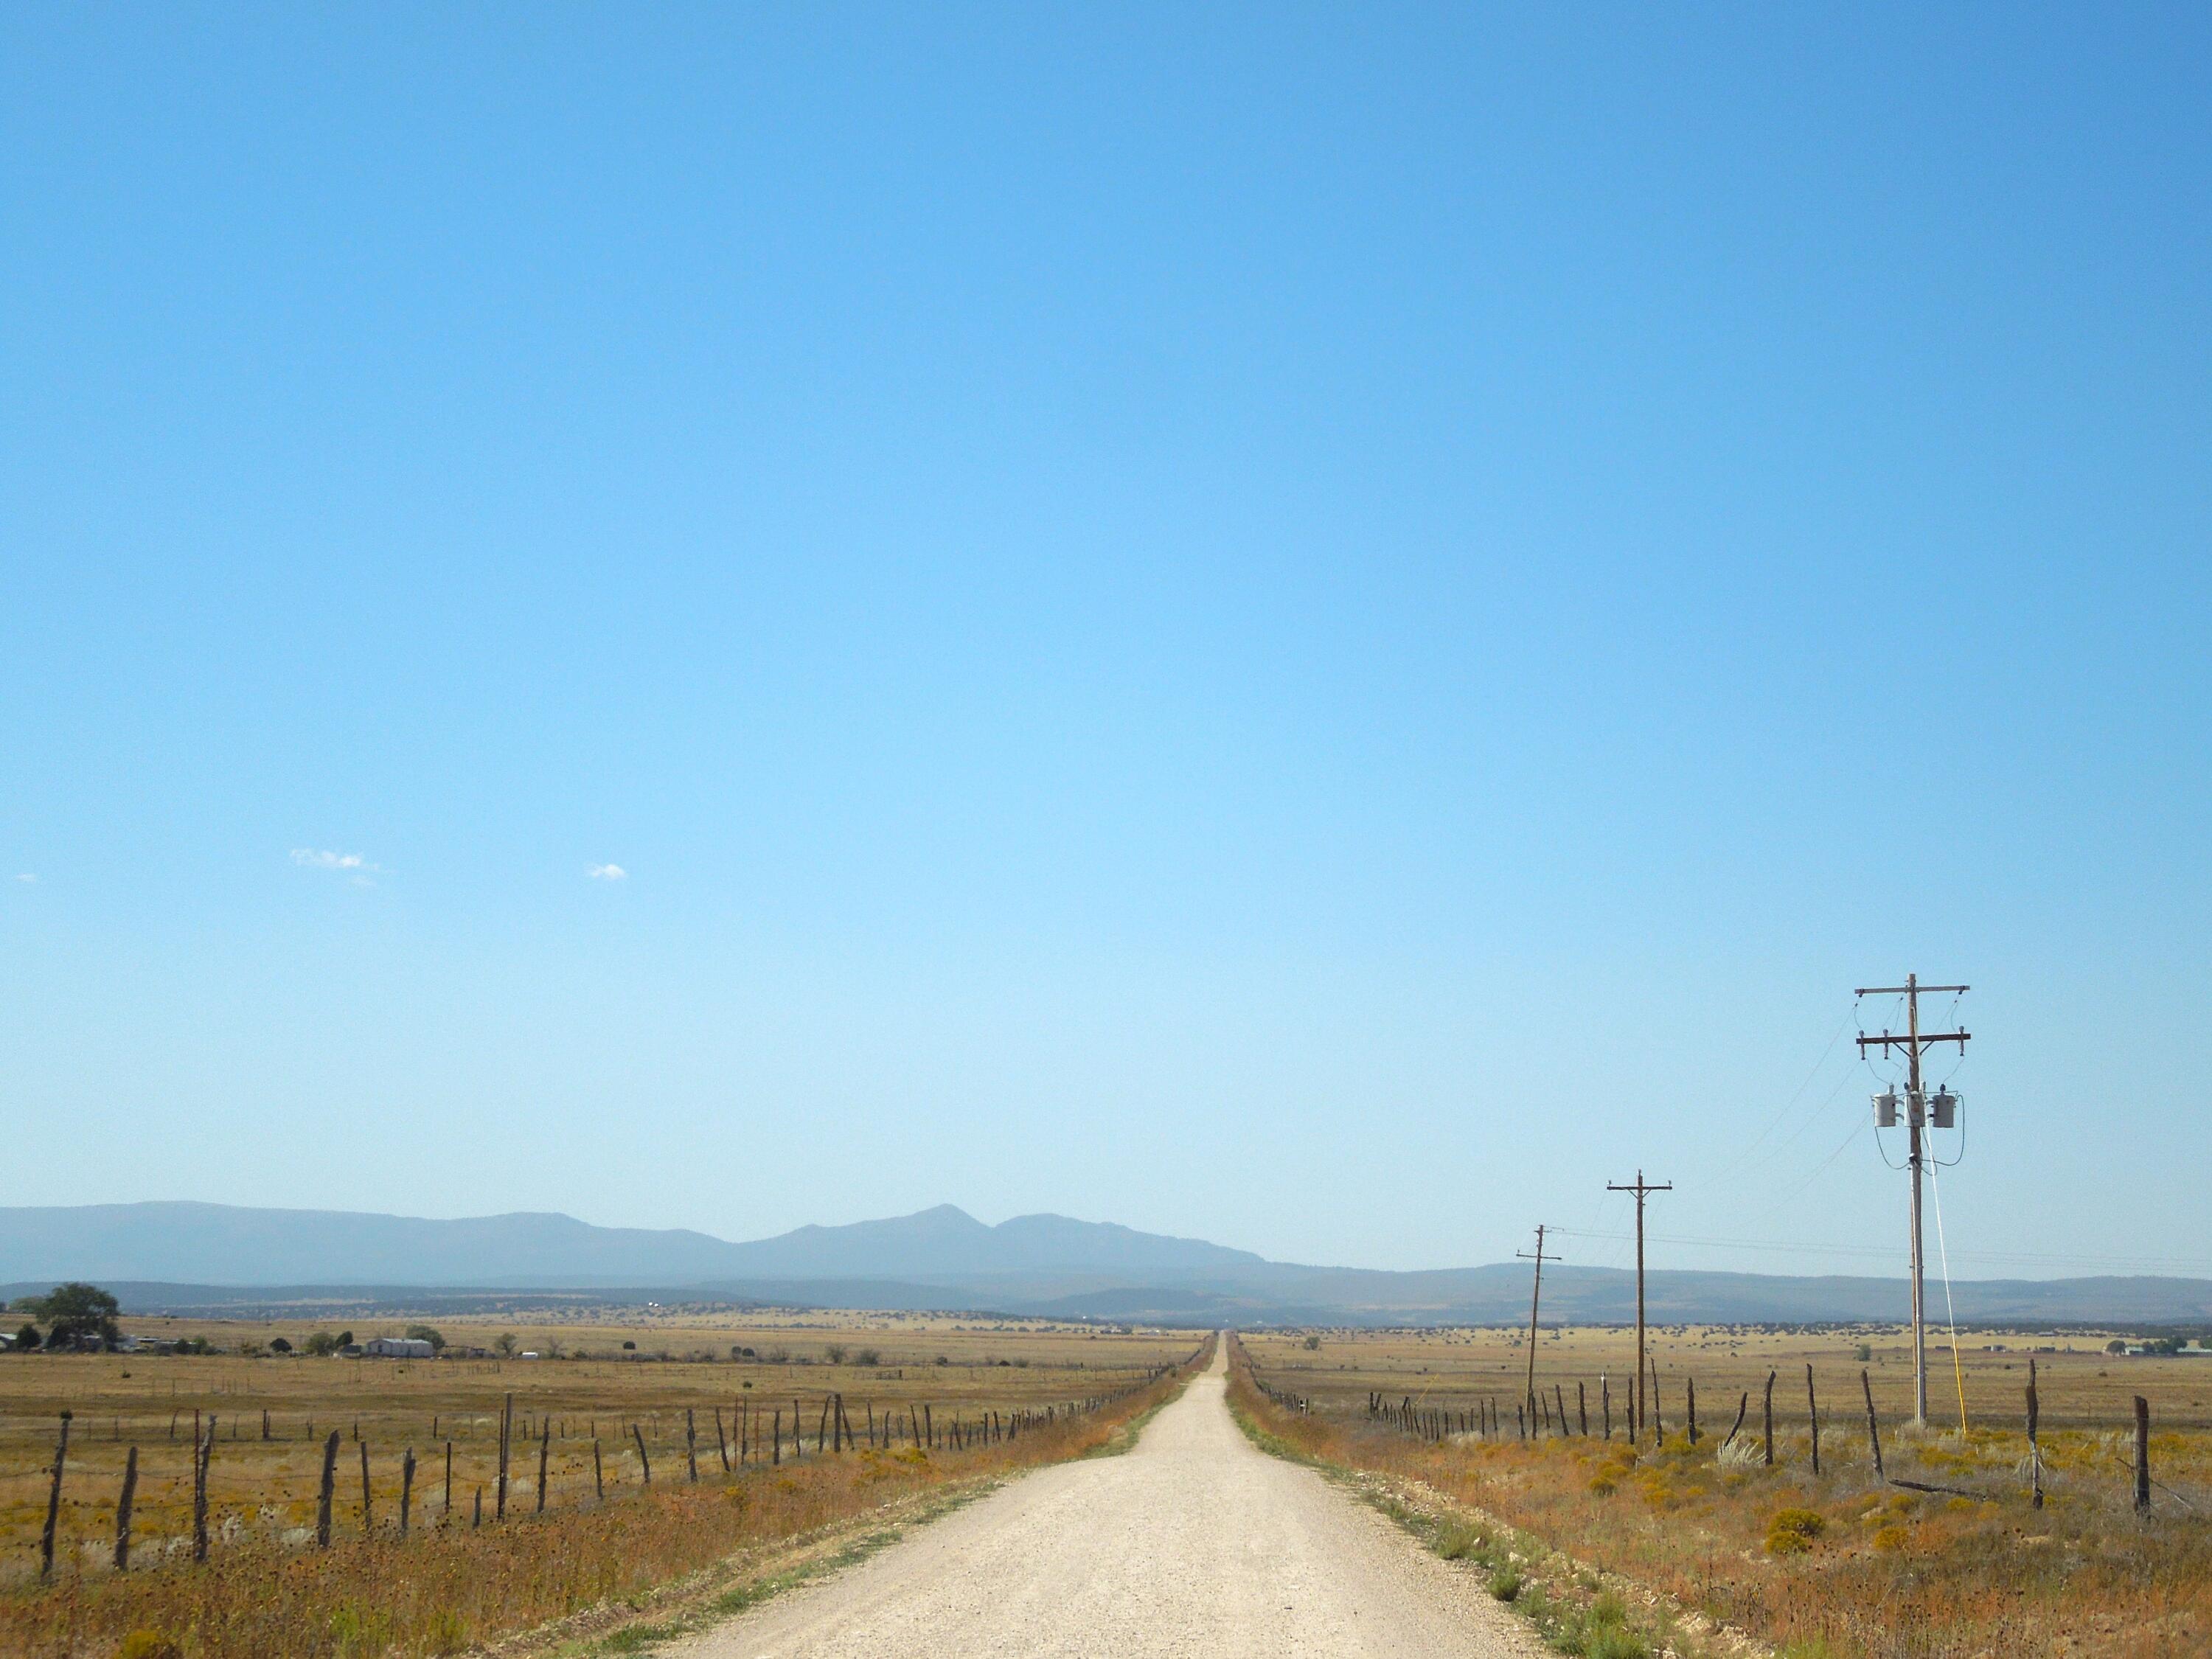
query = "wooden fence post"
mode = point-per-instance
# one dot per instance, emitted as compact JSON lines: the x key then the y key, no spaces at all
{"x":1768,"y":1407}
{"x":122,"y":1511}
{"x":1742,"y":1408}
{"x":2142,"y":1456}
{"x":1874,"y":1428}
{"x":505,"y":1446}
{"x":1605,"y":1392}
{"x":367,"y":1513}
{"x":1581,"y":1406}
{"x":54,"y":1501}
{"x":1693,"y":1411}
{"x":643,"y":1462}
{"x":545,"y":1444}
{"x":406,"y":1489}
{"x":721,"y":1444}
{"x":1813,"y":1410}
{"x":1654,"y":1423}
{"x":323,"y":1492}
{"x":202,"y":1454}
{"x":775,"y":1443}
{"x":692,"y":1442}
{"x":2034,"y":1444}
{"x":447,"y":1513}
{"x":598,"y":1474}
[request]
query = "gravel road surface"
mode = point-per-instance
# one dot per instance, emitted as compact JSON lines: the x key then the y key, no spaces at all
{"x":1194,"y":1543}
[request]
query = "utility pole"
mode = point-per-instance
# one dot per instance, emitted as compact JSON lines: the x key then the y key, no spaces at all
{"x":1641,"y":1190}
{"x":1536,"y":1299}
{"x":1914,"y":1042}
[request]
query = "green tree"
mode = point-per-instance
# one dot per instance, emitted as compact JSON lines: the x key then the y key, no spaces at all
{"x":28,"y":1339}
{"x":430,"y":1333}
{"x":505,"y":1344}
{"x":322,"y":1343}
{"x":278,"y":1345}
{"x":76,"y":1310}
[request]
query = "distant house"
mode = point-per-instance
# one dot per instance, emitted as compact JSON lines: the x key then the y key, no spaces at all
{"x":396,"y":1348}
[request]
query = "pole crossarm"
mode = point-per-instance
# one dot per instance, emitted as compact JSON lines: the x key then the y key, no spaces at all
{"x":1926,"y":1038}
{"x":1904,"y":990}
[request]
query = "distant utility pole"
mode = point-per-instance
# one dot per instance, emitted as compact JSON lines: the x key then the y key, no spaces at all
{"x":1536,"y":1299}
{"x":1641,"y":1190}
{"x":1914,"y":1042}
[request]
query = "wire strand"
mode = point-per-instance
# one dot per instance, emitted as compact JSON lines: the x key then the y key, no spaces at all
{"x":1943,"y":1251}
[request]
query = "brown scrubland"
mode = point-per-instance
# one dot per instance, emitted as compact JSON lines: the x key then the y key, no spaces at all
{"x":1943,"y":1553}
{"x":982,"y":1396}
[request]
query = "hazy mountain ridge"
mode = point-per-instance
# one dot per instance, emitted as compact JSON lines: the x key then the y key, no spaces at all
{"x":207,"y":1256}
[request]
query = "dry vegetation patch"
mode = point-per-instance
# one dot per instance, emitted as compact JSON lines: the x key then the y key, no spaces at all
{"x":1000,"y":1400}
{"x":1840,"y":1564}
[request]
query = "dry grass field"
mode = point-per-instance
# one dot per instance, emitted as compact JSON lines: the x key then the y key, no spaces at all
{"x":1838,"y":1564}
{"x":995,"y":1394}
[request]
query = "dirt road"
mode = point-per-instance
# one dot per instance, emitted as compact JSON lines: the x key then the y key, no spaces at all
{"x":1193,"y":1544}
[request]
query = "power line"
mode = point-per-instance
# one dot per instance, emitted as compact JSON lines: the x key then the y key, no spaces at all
{"x":1780,"y":1247}
{"x":1750,"y":1148}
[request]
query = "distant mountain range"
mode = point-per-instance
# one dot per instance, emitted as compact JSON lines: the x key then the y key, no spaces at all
{"x":204,"y":1256}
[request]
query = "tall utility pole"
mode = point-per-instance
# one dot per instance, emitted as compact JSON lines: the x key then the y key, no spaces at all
{"x":1536,"y":1299}
{"x":1641,"y":1190}
{"x":1916,"y":1104}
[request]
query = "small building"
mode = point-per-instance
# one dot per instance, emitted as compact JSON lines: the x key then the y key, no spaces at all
{"x":396,"y":1348}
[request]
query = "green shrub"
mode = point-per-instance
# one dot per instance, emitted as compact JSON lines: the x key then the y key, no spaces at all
{"x":1615,"y":1644}
{"x":1791,"y":1532}
{"x":1505,"y":1583}
{"x":1458,"y":1541}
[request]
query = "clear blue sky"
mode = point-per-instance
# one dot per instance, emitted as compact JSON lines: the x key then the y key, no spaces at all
{"x":1324,"y":628}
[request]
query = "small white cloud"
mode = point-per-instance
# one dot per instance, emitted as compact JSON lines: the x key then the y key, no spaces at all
{"x":315,"y":860}
{"x":354,"y":867}
{"x":26,"y":877}
{"x":607,"y":872}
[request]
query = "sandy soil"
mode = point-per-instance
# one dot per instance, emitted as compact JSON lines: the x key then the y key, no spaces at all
{"x":1193,"y":1544}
